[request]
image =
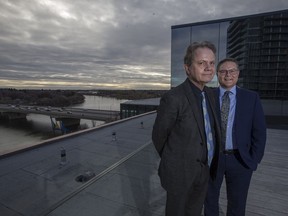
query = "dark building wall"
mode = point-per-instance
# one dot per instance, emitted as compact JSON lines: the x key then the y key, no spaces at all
{"x":129,"y":110}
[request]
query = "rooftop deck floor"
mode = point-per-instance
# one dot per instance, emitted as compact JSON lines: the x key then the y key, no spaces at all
{"x":34,"y":183}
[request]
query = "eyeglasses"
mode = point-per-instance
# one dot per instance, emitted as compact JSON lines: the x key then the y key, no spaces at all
{"x":232,"y":72}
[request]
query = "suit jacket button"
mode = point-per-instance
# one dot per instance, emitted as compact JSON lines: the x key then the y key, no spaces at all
{"x":198,"y":160}
{"x":201,"y":144}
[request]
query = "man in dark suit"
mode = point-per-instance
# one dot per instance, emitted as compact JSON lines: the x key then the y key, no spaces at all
{"x":243,"y":140}
{"x":179,"y":134}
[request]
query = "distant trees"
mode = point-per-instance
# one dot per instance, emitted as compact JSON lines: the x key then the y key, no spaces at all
{"x":41,"y":97}
{"x":130,"y":94}
{"x":58,"y":98}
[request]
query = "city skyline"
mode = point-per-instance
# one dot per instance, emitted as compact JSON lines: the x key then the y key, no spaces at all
{"x":49,"y":44}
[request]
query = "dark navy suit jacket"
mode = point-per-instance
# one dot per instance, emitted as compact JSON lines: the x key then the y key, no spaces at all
{"x":249,"y":128}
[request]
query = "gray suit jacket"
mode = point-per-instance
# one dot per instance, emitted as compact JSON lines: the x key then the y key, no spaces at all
{"x":179,"y":137}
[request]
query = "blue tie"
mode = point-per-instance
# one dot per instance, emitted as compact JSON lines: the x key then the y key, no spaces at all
{"x":209,"y":139}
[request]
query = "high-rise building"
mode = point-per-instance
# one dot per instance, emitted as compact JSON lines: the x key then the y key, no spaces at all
{"x":259,"y":42}
{"x":260,"y":45}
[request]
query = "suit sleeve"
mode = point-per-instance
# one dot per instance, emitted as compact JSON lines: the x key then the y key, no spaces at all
{"x":164,"y":122}
{"x":258,"y":132}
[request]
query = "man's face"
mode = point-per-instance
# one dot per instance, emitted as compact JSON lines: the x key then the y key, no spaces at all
{"x":202,"y":69}
{"x":228,"y":74}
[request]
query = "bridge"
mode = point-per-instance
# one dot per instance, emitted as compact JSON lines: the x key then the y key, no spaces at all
{"x":16,"y":111}
{"x":62,"y":118}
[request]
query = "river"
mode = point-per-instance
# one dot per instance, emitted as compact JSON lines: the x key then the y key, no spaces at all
{"x":36,"y":128}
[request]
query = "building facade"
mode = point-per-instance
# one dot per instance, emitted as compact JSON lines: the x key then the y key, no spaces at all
{"x":259,"y":42}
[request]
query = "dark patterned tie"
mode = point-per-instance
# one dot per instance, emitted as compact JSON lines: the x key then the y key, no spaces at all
{"x":224,"y":116}
{"x":209,"y":138}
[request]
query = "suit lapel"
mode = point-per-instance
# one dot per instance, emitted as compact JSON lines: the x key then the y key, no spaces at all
{"x":195,"y":109}
{"x":239,"y":101}
{"x":217,"y":103}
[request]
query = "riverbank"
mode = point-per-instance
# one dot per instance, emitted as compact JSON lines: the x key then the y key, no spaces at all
{"x":126,"y":94}
{"x":60,"y":98}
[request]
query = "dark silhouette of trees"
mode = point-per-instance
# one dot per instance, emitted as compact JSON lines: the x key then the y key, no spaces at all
{"x":41,"y":97}
{"x":59,"y":98}
{"x":129,"y":94}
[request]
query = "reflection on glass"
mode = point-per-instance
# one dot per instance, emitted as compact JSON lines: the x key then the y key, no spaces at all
{"x":181,"y":39}
{"x":258,"y":42}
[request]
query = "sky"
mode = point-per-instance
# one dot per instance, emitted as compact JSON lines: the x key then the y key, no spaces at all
{"x":101,"y":44}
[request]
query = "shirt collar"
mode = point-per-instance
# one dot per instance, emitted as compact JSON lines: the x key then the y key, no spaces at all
{"x":223,"y":90}
{"x":195,"y":88}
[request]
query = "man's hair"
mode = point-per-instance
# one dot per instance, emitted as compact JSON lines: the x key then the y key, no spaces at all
{"x":190,"y":52}
{"x":227,"y":60}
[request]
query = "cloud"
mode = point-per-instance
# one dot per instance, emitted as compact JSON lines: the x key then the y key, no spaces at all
{"x":80,"y":44}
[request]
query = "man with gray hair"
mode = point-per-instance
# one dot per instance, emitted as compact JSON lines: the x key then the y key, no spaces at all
{"x":186,"y":134}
